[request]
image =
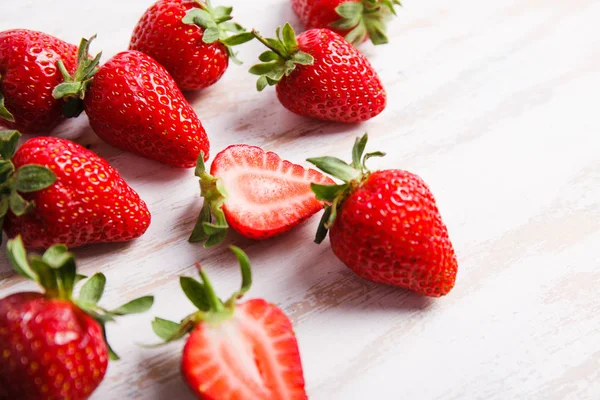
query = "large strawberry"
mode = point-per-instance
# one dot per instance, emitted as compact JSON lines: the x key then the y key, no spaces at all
{"x":191,"y":39}
{"x":320,"y":75}
{"x":28,"y":74}
{"x":69,"y":195}
{"x":357,"y":20}
{"x":385,"y":225}
{"x":236,"y":350}
{"x":52,"y":345}
{"x":133,"y":104}
{"x":256,"y":192}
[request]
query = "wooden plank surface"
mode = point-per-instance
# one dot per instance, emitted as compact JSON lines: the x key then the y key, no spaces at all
{"x":494,"y":103}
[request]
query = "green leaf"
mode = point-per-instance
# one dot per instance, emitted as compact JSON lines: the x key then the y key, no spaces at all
{"x":289,"y":37}
{"x":303,"y":58}
{"x":136,"y":306}
{"x":369,"y":155}
{"x":277,"y":46}
{"x":58,"y":258}
{"x":261,"y":69}
{"x":358,"y":34}
{"x":349,"y":10}
{"x":268,"y":55}
{"x":31,"y":178}
{"x":211,"y":35}
{"x":230,"y":26}
{"x":376,"y":30}
{"x":111,"y":353}
{"x":3,"y":207}
{"x":79,"y":278}
{"x":18,"y":205}
{"x":196,"y":16}
{"x":6,"y":170}
{"x":46,"y":276}
{"x":358,"y":150}
{"x":93,"y":289}
{"x":8,"y":143}
{"x":222,"y":11}
{"x":322,"y":230}
{"x":164,"y":328}
{"x":335,"y":167}
{"x":346,"y":23}
{"x":238,"y":39}
{"x":4,"y":113}
{"x":246,"y":272}
{"x":194,"y":291}
{"x":67,"y":89}
{"x":261,"y":83}
{"x":198,"y":234}
{"x":18,"y":258}
{"x":275,"y":74}
{"x":328,"y":192}
{"x":216,"y":233}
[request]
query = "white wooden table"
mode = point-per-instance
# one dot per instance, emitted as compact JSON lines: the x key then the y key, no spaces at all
{"x":494,"y":103}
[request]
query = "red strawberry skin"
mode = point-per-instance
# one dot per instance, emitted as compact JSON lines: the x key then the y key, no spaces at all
{"x":389,"y":230}
{"x":340,"y":86}
{"x":28,"y":74}
{"x":88,"y":203}
{"x":252,"y":356}
{"x":134,"y":104}
{"x":266,"y":195}
{"x":178,"y":47}
{"x":319,"y":13}
{"x":49,"y":349}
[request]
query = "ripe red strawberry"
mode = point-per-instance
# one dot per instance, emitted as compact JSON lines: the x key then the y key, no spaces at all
{"x":385,"y":225}
{"x":191,"y":39}
{"x":256,"y":192}
{"x":236,"y":350}
{"x":133,"y":104}
{"x":356,"y":20}
{"x":320,"y":75}
{"x":53,"y":346}
{"x":28,"y":73}
{"x":70,"y":195}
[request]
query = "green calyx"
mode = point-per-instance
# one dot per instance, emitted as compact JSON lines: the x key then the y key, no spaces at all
{"x":218,"y":26}
{"x":281,"y":59}
{"x":211,"y":226}
{"x":211,"y":309}
{"x":351,"y":174}
{"x":365,"y":18}
{"x":74,"y":87}
{"x":13,"y":182}
{"x":4,"y":113}
{"x":55,"y":272}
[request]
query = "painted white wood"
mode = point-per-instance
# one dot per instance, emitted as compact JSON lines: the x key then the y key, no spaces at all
{"x":494,"y":104}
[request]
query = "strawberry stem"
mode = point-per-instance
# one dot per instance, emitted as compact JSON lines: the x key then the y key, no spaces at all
{"x":215,"y":303}
{"x":264,"y":41}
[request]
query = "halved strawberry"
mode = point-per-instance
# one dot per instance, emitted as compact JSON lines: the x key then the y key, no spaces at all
{"x":255,"y":192}
{"x":245,"y":351}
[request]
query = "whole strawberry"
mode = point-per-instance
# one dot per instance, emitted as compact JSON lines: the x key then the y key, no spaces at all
{"x":28,"y":74}
{"x":356,"y":20}
{"x":133,"y":103}
{"x":385,"y":225}
{"x":320,"y":75}
{"x":236,"y":350}
{"x":52,"y":345}
{"x":191,"y":39}
{"x":256,"y":192}
{"x":56,"y":191}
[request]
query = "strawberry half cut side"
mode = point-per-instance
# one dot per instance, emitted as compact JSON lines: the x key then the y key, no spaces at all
{"x":236,"y":350}
{"x":255,"y":192}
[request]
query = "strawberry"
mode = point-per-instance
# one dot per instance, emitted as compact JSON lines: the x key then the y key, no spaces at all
{"x":28,"y":73}
{"x":320,"y":75}
{"x":69,"y":195}
{"x":52,"y":345}
{"x":236,"y":350}
{"x":385,"y":225}
{"x":256,"y":192}
{"x":356,"y":20}
{"x":133,"y":104}
{"x":191,"y":39}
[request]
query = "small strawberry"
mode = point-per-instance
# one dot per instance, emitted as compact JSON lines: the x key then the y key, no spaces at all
{"x":133,"y":104}
{"x":191,"y":39}
{"x":53,"y":346}
{"x":356,"y":20}
{"x":236,"y":350}
{"x":320,"y":75}
{"x":385,"y":225}
{"x":256,"y":192}
{"x":70,"y":195}
{"x":28,"y":73}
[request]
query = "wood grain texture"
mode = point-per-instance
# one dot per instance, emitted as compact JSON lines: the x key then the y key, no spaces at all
{"x":494,"y":104}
